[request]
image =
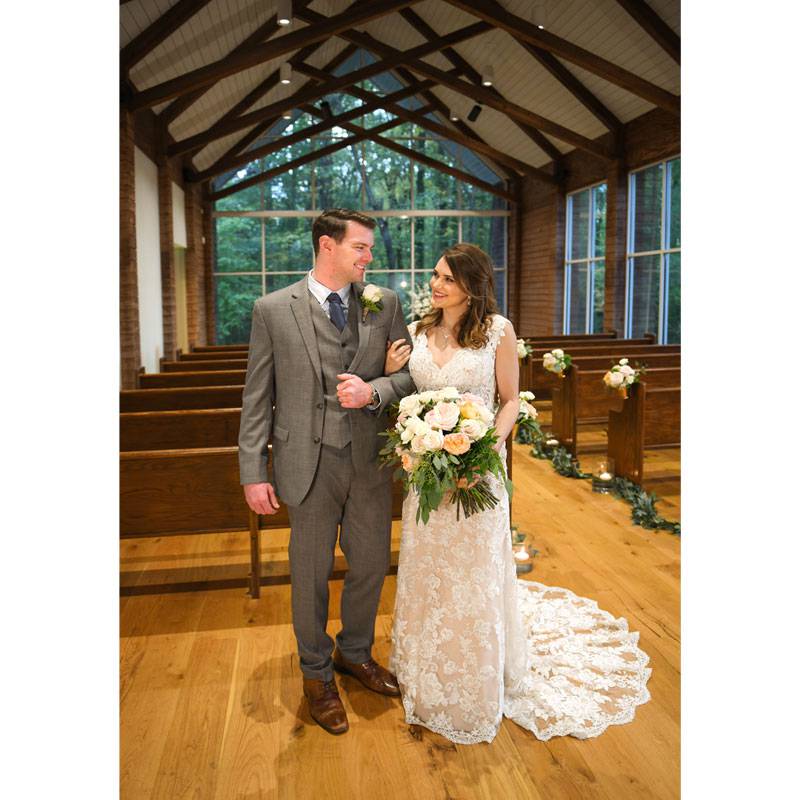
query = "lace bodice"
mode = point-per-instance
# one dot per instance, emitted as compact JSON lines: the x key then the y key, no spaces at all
{"x":468,"y":370}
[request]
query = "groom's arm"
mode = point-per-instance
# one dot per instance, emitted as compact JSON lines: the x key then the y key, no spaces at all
{"x":399,"y":384}
{"x":256,"y":422}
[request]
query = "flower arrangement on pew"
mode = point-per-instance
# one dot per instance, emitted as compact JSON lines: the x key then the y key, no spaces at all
{"x":420,"y":301}
{"x":523,"y":349}
{"x":621,"y":376}
{"x":528,"y":428}
{"x":444,"y":442}
{"x":556,"y":361}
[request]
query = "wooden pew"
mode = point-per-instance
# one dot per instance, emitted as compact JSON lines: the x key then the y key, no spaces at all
{"x":572,"y":337}
{"x":218,"y":348}
{"x":533,"y":377}
{"x":183,"y":397}
{"x":583,"y":397}
{"x":649,"y":418}
{"x":167,"y":380}
{"x":176,"y":430}
{"x":210,"y":356}
{"x":200,"y":366}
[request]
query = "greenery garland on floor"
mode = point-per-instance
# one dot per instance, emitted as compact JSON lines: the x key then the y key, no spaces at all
{"x":643,"y":505}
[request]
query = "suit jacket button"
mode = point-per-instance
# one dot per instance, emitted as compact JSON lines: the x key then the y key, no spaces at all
{"x":316,"y":440}
{"x":344,"y":344}
{"x":319,"y":405}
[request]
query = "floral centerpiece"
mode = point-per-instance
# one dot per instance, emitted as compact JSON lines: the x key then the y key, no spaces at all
{"x":444,"y":442}
{"x":421,"y":301}
{"x":523,"y":349}
{"x":621,"y":376}
{"x":528,"y":428}
{"x":556,"y":361}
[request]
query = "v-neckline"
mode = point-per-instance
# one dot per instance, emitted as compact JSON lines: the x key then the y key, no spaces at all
{"x":433,"y":360}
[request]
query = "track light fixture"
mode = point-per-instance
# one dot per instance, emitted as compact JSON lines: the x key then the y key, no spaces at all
{"x":475,"y":112}
{"x":287,"y":115}
{"x":539,"y":14}
{"x":286,"y":72}
{"x":453,"y":116}
{"x":284,"y":12}
{"x":488,"y":76}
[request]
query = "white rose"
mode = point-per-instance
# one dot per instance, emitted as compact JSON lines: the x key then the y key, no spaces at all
{"x":372,"y":293}
{"x":548,"y":360}
{"x":448,"y":414}
{"x":522,"y":351}
{"x":410,"y":405}
{"x":527,"y":409}
{"x":485,"y":415}
{"x":426,"y":396}
{"x":616,"y":380}
{"x":527,"y":396}
{"x":626,"y":370}
{"x":559,"y":354}
{"x":433,"y":440}
{"x":623,"y":361}
{"x":474,"y":428}
{"x":448,"y":393}
{"x":414,"y":427}
{"x":417,"y":445}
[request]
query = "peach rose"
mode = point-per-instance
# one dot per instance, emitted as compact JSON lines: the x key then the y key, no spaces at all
{"x":409,"y":462}
{"x":456,"y":443}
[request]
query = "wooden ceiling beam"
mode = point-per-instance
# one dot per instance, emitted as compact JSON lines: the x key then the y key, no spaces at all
{"x":152,"y":36}
{"x":389,"y":103}
{"x":265,"y":31}
{"x":568,"y":81}
{"x":258,"y":54}
{"x":655,"y":27}
{"x":457,"y":60}
{"x":373,"y":45}
{"x":260,"y":129}
{"x":308,"y":95}
{"x":241,"y":159}
{"x":299,"y":162}
{"x":523,"y":30}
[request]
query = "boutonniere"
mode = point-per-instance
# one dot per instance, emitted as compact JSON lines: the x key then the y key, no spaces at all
{"x":371,"y":299}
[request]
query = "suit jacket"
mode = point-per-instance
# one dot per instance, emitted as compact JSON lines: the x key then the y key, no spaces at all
{"x":283,"y":395}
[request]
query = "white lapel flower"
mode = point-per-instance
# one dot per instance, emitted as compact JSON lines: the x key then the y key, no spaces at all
{"x":371,"y":299}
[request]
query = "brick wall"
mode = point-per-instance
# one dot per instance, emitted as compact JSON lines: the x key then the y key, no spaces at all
{"x":130,"y":355}
{"x":652,"y":137}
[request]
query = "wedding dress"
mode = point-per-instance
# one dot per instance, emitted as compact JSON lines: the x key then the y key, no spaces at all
{"x":471,"y":642}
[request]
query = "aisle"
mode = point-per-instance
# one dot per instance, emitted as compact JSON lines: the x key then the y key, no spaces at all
{"x":211,"y":690}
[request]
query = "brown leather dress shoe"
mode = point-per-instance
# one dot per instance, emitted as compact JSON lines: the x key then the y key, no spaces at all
{"x":370,"y":674}
{"x":325,"y":705}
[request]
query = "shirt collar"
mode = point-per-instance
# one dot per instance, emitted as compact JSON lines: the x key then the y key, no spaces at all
{"x":321,"y":292}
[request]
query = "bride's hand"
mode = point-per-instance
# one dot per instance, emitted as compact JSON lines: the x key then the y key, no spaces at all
{"x":397,"y":354}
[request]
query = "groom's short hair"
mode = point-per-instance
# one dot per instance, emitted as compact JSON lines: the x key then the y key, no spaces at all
{"x":333,"y":222}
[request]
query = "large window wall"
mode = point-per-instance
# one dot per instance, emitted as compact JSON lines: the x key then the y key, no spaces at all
{"x":584,"y":263}
{"x":653,"y":278}
{"x":262,"y":233}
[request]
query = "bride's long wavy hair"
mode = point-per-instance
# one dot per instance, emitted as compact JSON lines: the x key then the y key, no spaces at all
{"x":472,"y":271}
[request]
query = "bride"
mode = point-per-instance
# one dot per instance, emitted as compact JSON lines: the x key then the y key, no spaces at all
{"x":470,"y":642}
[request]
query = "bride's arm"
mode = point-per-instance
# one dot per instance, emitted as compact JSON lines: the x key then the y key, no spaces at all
{"x":507,"y":372}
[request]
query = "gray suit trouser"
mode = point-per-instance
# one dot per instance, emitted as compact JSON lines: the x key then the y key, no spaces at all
{"x":361,"y":502}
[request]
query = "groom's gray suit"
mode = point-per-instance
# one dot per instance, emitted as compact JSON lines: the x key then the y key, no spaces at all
{"x":324,"y":457}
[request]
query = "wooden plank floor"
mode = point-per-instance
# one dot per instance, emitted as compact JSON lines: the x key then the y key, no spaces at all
{"x":211,"y":691}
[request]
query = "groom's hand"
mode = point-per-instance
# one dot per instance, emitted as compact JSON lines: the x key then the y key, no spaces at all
{"x":352,"y":391}
{"x":261,"y":498}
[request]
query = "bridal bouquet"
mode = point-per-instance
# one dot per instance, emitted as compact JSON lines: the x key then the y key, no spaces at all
{"x":621,"y":376}
{"x":556,"y":361}
{"x":444,"y":442}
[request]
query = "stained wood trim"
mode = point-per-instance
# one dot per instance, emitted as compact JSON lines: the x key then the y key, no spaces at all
{"x":152,"y":36}
{"x":655,"y":27}
{"x":523,"y":30}
{"x":309,"y":94}
{"x":230,"y":65}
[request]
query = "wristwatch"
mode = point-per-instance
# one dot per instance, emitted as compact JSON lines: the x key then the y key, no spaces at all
{"x":375,"y":402}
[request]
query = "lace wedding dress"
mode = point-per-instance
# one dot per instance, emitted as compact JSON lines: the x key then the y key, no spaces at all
{"x":471,"y":643}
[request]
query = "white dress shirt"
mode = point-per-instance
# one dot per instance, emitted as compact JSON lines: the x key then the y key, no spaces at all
{"x":321,"y":292}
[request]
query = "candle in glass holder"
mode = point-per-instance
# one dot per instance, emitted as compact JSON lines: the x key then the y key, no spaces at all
{"x":521,"y":554}
{"x":604,"y":476}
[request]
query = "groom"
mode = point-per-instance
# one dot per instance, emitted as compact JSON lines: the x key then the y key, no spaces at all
{"x":315,"y":387}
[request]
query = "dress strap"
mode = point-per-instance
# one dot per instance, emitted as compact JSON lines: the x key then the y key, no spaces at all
{"x":496,"y":330}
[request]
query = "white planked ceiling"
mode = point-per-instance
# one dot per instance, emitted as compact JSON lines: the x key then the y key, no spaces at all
{"x":602,"y":27}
